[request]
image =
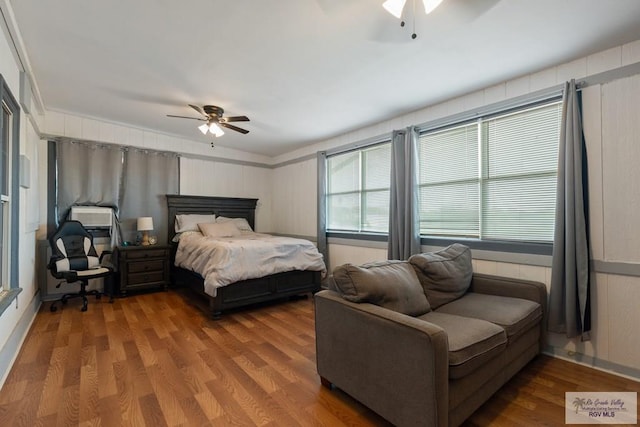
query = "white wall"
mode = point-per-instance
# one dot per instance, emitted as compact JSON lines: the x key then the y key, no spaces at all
{"x":612,"y":132}
{"x":15,"y":320}
{"x":295,"y":199}
{"x":200,"y":177}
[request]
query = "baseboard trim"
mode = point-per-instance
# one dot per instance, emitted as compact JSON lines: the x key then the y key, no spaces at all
{"x":9,"y":352}
{"x":595,"y":363}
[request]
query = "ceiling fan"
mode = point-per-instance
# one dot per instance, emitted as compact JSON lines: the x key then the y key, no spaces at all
{"x":213,"y":116}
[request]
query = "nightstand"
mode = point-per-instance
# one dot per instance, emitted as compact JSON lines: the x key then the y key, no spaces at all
{"x":142,"y":267}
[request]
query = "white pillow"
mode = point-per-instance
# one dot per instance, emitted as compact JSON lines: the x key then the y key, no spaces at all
{"x":219,"y":229}
{"x":241,"y":223}
{"x":189,"y":222}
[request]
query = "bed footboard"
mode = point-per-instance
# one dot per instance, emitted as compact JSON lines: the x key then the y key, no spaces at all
{"x":252,"y":291}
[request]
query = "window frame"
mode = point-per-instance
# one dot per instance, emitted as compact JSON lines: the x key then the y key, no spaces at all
{"x":496,"y":108}
{"x":515,"y":246}
{"x":10,"y":293}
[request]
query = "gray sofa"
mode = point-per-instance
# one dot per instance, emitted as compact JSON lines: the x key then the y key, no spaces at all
{"x":425,"y":342}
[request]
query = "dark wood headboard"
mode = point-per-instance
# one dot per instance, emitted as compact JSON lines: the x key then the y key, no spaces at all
{"x":231,"y":207}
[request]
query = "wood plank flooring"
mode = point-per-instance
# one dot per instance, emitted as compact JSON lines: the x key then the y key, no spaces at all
{"x":157,"y":360}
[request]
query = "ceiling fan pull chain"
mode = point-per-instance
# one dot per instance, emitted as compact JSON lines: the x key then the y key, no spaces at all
{"x":414,"y":35}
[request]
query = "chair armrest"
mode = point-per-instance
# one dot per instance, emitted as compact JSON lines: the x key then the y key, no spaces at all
{"x":393,"y":363}
{"x":105,"y":252}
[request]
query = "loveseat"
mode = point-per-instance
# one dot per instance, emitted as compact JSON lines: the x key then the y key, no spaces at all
{"x":425,"y":342}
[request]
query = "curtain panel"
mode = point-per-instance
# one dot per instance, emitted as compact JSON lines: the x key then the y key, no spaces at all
{"x":146,"y":179}
{"x":132,"y":181}
{"x":87,"y":174}
{"x":569,"y":299}
{"x":404,"y":232}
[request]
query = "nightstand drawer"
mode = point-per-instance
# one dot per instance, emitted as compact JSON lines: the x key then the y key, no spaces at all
{"x":142,"y":267}
{"x":146,"y":278}
{"x":151,"y":265}
{"x":149,"y":253}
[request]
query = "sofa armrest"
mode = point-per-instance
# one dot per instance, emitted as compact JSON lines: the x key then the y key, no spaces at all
{"x":509,"y":287}
{"x":393,"y":363}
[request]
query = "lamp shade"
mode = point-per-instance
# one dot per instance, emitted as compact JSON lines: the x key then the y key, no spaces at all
{"x":216,"y":130}
{"x":394,"y":7}
{"x":204,"y":128}
{"x":430,"y":5}
{"x":145,"y":223}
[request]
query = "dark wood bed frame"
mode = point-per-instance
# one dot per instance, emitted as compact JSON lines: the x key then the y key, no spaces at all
{"x":242,"y":293}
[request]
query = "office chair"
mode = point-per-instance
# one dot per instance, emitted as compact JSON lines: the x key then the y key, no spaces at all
{"x":74,"y":259}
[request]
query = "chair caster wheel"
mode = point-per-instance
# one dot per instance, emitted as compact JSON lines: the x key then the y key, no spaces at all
{"x":98,"y":296}
{"x":63,"y":301}
{"x":84,"y":308}
{"x":53,"y":309}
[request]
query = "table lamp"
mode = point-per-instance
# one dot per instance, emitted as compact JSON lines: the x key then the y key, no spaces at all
{"x":145,"y":224}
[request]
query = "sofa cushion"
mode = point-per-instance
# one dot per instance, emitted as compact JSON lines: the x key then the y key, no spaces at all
{"x":390,"y":284}
{"x":472,"y":342}
{"x":515,"y":315}
{"x":445,"y":275}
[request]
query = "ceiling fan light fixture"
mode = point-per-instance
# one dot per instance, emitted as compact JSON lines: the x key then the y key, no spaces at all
{"x":204,"y":128}
{"x":430,"y":5}
{"x":216,"y":130}
{"x":395,"y":7}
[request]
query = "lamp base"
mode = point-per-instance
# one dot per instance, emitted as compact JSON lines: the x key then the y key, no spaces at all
{"x":145,"y":238}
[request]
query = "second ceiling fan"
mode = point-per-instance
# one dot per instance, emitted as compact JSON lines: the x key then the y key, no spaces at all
{"x":214,"y":118}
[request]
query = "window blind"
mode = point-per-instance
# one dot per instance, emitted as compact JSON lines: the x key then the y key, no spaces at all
{"x":448,"y":182}
{"x":358,"y":190}
{"x":519,"y":177}
{"x":494,"y":178}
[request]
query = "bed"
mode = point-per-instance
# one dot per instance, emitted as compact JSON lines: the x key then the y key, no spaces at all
{"x":244,"y":292}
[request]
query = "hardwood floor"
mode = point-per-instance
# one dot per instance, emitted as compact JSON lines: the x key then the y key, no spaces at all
{"x":157,"y":360}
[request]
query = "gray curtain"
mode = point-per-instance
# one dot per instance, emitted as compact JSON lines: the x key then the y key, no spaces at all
{"x":87,"y":174}
{"x":132,"y":181}
{"x":569,"y":304}
{"x":147,"y":177}
{"x":323,"y":246}
{"x":404,"y":232}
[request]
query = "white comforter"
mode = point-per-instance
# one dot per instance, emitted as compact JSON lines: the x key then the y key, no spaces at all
{"x":224,"y":260}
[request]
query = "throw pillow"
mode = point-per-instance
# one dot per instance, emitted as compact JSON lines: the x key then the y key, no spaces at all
{"x":224,"y":229}
{"x":390,"y":284}
{"x":241,"y":223}
{"x":445,"y":275}
{"x":189,"y":222}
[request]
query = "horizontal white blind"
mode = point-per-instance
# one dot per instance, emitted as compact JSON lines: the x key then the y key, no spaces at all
{"x":358,"y":190}
{"x":448,"y":182}
{"x":492,"y":179}
{"x":376,"y":164}
{"x":519,"y":178}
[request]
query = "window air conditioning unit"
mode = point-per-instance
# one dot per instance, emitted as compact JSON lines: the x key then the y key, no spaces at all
{"x":93,"y":217}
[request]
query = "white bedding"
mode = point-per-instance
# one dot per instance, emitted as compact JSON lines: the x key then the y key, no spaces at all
{"x":225,"y":260}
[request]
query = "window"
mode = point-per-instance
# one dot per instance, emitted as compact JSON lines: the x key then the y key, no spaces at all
{"x":9,"y":196}
{"x":493,"y":178}
{"x":5,"y":201}
{"x":358,"y":190}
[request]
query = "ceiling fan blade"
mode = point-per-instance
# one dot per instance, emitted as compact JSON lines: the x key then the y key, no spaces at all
{"x":235,"y":119}
{"x":236,"y":128}
{"x":185,"y":117}
{"x":198,"y":109}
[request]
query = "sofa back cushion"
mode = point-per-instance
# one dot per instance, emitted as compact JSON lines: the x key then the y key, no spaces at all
{"x":445,"y":275}
{"x":390,"y":284}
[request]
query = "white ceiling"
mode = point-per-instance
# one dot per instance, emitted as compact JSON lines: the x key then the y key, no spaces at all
{"x":302,"y":70}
